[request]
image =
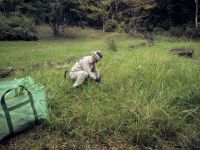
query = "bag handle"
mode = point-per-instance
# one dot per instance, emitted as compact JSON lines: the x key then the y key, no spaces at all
{"x":7,"y":109}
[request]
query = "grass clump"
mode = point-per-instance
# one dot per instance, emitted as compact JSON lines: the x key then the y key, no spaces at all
{"x":112,"y":45}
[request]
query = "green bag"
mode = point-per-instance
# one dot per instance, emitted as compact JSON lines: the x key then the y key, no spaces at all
{"x":22,"y":104}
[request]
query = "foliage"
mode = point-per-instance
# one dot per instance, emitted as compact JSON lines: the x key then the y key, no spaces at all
{"x":53,"y":12}
{"x":158,"y":30}
{"x":111,"y":25}
{"x":136,"y":11}
{"x":135,"y":15}
{"x":177,"y":31}
{"x":17,"y":27}
{"x":121,"y":27}
{"x":60,"y":12}
{"x":192,"y":32}
{"x":173,"y":13}
{"x":97,"y":11}
{"x":112,"y":45}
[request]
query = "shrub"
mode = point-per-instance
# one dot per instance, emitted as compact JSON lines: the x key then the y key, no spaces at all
{"x":17,"y":28}
{"x":110,"y":25}
{"x":158,"y":30}
{"x":112,"y":45}
{"x":121,"y":28}
{"x":192,"y":32}
{"x":176,"y":31}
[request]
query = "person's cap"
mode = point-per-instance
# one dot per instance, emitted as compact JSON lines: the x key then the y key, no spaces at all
{"x":98,"y":55}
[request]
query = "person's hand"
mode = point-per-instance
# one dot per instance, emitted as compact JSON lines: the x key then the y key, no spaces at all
{"x":98,"y":80}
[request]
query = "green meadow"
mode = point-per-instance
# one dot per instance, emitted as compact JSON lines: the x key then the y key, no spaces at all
{"x":149,"y":98}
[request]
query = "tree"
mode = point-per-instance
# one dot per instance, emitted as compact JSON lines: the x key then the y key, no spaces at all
{"x":55,"y":17}
{"x":58,"y":12}
{"x":6,"y":7}
{"x":98,"y":10}
{"x":14,"y":25}
{"x":136,"y":12}
{"x":106,"y":7}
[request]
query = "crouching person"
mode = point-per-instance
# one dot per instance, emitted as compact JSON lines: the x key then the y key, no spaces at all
{"x":85,"y":67}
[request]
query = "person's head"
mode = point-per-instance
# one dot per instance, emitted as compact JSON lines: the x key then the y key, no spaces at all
{"x":96,"y":56}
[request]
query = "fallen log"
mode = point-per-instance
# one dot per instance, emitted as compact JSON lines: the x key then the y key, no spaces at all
{"x":6,"y":72}
{"x":183,"y":52}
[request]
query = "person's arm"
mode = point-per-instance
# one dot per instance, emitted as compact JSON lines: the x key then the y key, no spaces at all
{"x":98,"y":78}
{"x":94,"y":69}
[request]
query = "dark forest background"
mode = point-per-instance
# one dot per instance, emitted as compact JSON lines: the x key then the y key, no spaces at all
{"x":19,"y":18}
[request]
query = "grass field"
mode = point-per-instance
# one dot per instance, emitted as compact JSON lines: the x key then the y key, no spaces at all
{"x":148,"y":98}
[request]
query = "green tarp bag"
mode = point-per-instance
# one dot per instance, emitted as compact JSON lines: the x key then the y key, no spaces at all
{"x":22,"y":104}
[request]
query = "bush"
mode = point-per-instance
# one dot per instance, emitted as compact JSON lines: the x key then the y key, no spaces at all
{"x":158,"y":30}
{"x":176,"y":31}
{"x":112,"y":45}
{"x":110,"y":25}
{"x":17,"y":28}
{"x":121,"y":28}
{"x":192,"y":32}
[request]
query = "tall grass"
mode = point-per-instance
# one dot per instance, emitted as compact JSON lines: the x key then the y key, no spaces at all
{"x":148,"y":97}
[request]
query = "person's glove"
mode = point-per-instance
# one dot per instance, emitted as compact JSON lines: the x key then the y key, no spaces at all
{"x":98,"y":80}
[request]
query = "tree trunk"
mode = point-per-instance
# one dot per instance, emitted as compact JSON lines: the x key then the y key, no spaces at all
{"x":134,"y":29}
{"x":12,"y":7}
{"x":103,"y":24}
{"x":116,"y":8}
{"x":55,"y":27}
{"x":196,"y":14}
{"x":133,"y":22}
{"x":103,"y":27}
{"x":4,"y":9}
{"x":169,"y":8}
{"x":6,"y":72}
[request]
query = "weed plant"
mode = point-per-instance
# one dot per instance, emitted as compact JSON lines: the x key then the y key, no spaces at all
{"x":112,"y":45}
